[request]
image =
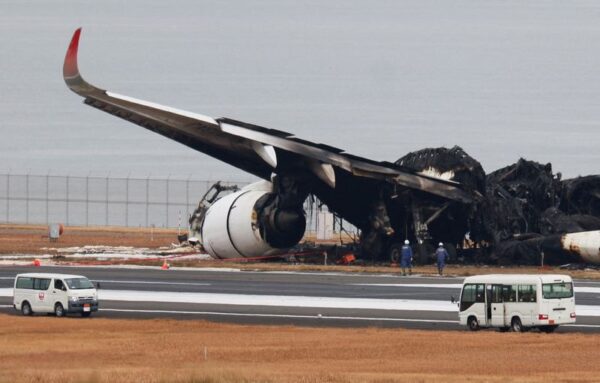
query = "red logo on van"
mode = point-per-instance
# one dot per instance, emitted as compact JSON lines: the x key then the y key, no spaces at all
{"x":41,"y":296}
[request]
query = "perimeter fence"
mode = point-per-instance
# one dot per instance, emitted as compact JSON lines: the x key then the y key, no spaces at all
{"x":118,"y":201}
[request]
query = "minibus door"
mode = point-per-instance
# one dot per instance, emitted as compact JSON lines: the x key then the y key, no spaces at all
{"x":497,"y":307}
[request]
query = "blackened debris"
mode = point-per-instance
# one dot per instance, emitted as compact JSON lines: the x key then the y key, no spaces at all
{"x":581,"y":195}
{"x":464,"y":168}
{"x":524,"y":210}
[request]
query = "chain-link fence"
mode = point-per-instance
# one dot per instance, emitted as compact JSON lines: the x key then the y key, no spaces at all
{"x":99,"y":201}
{"x":112,"y":201}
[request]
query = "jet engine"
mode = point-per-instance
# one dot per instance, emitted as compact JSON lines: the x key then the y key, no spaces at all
{"x":248,"y":223}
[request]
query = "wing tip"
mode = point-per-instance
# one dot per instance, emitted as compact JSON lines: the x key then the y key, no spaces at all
{"x":70,"y":67}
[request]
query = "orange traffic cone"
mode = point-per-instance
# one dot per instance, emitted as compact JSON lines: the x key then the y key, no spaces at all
{"x":36,"y":262}
{"x":165,"y":265}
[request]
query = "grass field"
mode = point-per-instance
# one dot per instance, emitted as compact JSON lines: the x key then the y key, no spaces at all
{"x":49,"y":349}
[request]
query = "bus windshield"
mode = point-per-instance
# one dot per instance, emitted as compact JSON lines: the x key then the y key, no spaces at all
{"x":557,"y":290}
{"x":79,"y":283}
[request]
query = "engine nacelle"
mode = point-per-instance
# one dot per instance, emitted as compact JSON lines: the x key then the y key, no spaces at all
{"x":244,"y":225}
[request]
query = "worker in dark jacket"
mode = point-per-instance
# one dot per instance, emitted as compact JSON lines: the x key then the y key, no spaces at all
{"x":406,"y":258}
{"x":442,"y":256}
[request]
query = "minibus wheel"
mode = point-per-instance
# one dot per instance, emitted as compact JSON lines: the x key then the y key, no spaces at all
{"x":59,"y":310}
{"x":26,"y":309}
{"x":515,"y":325}
{"x":473,"y":324}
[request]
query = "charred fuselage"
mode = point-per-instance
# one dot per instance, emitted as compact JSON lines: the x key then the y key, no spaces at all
{"x":522,"y":215}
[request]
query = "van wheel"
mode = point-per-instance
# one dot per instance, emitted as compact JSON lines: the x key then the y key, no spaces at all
{"x":59,"y":310}
{"x":473,"y":324}
{"x":548,"y":329}
{"x":86,"y":314}
{"x":515,"y":325}
{"x":26,"y":309}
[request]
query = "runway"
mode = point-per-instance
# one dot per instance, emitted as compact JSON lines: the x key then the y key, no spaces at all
{"x":298,"y":298}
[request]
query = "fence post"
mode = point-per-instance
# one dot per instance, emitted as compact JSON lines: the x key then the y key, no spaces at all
{"x":8,"y":197}
{"x":167,"y":201}
{"x":27,"y":198}
{"x":67,"y":202}
{"x":187,"y":197}
{"x":127,"y":201}
{"x":106,"y":212}
{"x":48,"y":197}
{"x":147,"y":198}
{"x":87,"y":200}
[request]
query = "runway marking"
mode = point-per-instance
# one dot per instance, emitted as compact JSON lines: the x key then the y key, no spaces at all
{"x":289,"y":301}
{"x":582,"y":325}
{"x":432,"y":285}
{"x":152,"y":282}
{"x":298,"y":316}
{"x":578,"y":289}
{"x":593,"y":290}
{"x":142,"y":282}
{"x":276,"y":300}
{"x":279,"y":315}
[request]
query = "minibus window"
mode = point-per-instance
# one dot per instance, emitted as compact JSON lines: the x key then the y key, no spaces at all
{"x":41,"y":283}
{"x":509,"y":293}
{"x":557,"y":290}
{"x":480,"y":297}
{"x":471,"y":294}
{"x":79,"y":283}
{"x":497,"y":294}
{"x":527,"y":293}
{"x":24,"y":283}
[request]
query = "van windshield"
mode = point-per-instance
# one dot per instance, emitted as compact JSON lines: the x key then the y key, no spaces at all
{"x":557,"y":290}
{"x":79,"y":283}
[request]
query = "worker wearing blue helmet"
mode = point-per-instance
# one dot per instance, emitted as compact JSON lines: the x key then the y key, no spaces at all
{"x":406,"y":258}
{"x":442,"y":257}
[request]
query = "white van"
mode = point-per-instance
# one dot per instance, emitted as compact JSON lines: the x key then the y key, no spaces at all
{"x":517,"y":302}
{"x":54,"y":293}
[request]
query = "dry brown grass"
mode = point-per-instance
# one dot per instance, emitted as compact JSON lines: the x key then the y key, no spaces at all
{"x":101,"y":350}
{"x":32,"y":239}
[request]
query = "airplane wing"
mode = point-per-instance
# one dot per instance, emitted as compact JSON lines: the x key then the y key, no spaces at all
{"x":257,"y":150}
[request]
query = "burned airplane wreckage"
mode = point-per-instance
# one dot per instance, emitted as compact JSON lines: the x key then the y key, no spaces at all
{"x":525,"y":214}
{"x":517,"y":214}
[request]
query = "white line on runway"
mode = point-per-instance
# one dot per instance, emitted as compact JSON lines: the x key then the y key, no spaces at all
{"x":153,"y":282}
{"x":279,"y":315}
{"x":296,"y":316}
{"x":289,"y":301}
{"x":142,"y":282}
{"x":432,"y":285}
{"x":578,"y":289}
{"x":268,"y":300}
{"x":276,"y":300}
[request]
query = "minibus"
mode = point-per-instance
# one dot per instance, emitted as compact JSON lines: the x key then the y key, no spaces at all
{"x":517,"y":302}
{"x":60,"y":294}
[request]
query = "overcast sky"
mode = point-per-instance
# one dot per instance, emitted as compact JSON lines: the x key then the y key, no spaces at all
{"x":503,"y":79}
